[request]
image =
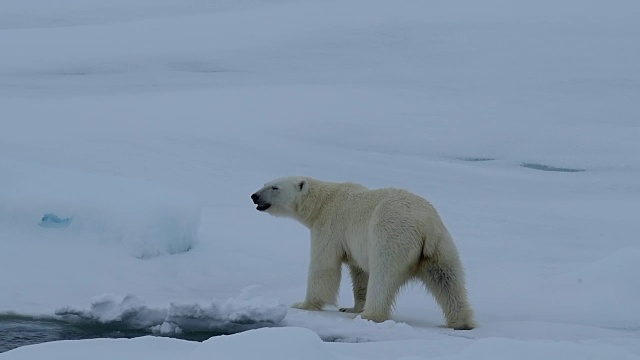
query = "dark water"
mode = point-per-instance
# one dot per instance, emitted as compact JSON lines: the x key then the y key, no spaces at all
{"x":476,"y":159}
{"x":543,"y":167}
{"x":16,"y":331}
{"x":534,"y":166}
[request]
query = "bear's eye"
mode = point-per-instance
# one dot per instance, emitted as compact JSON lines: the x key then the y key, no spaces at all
{"x":274,"y":188}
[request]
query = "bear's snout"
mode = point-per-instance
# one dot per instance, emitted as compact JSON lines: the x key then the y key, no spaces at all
{"x":262,"y":205}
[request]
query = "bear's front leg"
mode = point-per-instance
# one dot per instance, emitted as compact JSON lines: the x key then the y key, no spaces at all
{"x":323,"y":281}
{"x":304,"y":305}
{"x":359,"y":280}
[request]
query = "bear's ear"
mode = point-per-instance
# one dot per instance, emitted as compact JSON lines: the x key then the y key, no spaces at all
{"x":303,"y":185}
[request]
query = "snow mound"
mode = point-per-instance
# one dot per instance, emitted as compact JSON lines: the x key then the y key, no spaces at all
{"x":341,"y":327}
{"x":223,"y":316}
{"x":38,"y":202}
{"x":277,"y":343}
{"x":300,"y":343}
{"x":608,"y":283}
{"x":53,"y":220}
{"x":618,"y":267}
{"x":501,"y":348}
{"x":615,"y":274}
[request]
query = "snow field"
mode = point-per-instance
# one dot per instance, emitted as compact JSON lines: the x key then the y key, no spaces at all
{"x":139,"y":130}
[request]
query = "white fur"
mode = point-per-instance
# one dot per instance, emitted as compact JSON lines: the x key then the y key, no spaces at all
{"x":386,"y":237}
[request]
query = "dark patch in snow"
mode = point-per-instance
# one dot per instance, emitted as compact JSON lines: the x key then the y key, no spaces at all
{"x":86,"y":70}
{"x":543,"y":167}
{"x":172,"y":249}
{"x":74,"y":73}
{"x":51,"y":220}
{"x":197,"y":67}
{"x":476,"y":159}
{"x":343,"y":339}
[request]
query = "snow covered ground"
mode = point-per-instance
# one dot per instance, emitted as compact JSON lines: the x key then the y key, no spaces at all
{"x":133,"y":133}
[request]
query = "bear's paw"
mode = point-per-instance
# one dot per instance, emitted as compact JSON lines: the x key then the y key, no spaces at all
{"x":304,"y":305}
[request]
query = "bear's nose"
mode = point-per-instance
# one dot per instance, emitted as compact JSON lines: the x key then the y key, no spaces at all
{"x":255,"y":198}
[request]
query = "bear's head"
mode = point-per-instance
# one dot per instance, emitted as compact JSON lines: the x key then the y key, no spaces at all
{"x":280,"y":197}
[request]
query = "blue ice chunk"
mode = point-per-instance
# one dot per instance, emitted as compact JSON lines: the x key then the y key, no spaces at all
{"x":51,"y":220}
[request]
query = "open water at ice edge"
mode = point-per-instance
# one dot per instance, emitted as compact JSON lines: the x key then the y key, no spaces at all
{"x":20,"y":331}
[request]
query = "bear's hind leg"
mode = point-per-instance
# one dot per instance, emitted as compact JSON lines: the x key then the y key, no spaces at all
{"x":384,"y":284}
{"x":446,"y":284}
{"x":359,"y":279}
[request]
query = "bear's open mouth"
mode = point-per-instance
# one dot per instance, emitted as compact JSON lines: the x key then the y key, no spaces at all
{"x":263,"y":207}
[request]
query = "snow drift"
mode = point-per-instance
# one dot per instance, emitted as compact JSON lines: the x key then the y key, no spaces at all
{"x":64,"y":205}
{"x":489,"y":109}
{"x":300,"y":343}
{"x":222,"y":316}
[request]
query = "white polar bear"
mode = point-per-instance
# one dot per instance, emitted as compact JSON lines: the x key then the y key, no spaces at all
{"x":386,"y":237}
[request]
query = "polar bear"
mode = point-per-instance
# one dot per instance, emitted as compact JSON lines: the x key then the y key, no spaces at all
{"x":386,"y":237}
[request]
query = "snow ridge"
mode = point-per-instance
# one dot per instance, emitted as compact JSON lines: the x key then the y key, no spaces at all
{"x":224,"y":316}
